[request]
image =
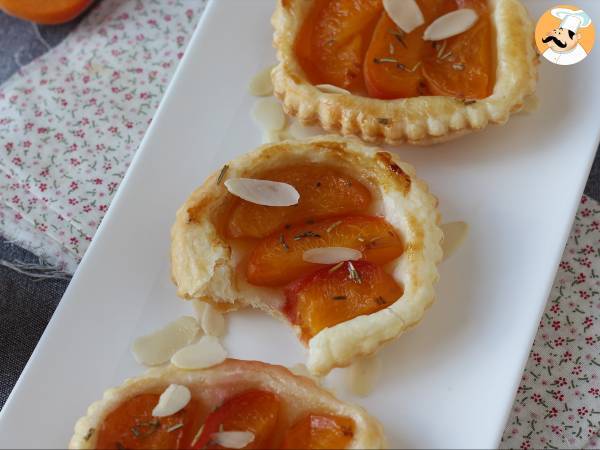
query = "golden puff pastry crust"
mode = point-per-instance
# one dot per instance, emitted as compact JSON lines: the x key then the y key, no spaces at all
{"x":204,"y":263}
{"x":419,"y":120}
{"x":212,"y":386}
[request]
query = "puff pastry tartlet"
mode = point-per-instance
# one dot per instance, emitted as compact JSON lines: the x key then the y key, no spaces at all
{"x":234,"y":253}
{"x":247,"y":403}
{"x":402,"y":88}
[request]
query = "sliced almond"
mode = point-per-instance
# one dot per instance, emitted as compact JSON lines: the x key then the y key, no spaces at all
{"x":207,"y":352}
{"x":268,"y":115}
{"x":261,"y":85}
{"x":263,"y":192}
{"x":331,"y":255}
{"x":158,"y":347}
{"x":332,"y":89}
{"x":362,"y":375}
{"x":172,"y":400}
{"x":232,"y":439}
{"x":212,"y":321}
{"x":406,"y":14}
{"x":199,"y":307}
{"x":455,"y":234}
{"x":451,"y":24}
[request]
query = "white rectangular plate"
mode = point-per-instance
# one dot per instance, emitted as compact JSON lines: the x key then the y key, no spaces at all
{"x":450,"y":382}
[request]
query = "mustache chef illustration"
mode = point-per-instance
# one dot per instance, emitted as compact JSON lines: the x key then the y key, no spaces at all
{"x":563,"y":42}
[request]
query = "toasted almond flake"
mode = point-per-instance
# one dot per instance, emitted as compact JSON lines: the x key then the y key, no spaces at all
{"x":261,"y":85}
{"x":272,"y":136}
{"x":263,"y":192}
{"x":451,"y":24}
{"x":199,"y":307}
{"x":207,"y":352}
{"x":406,"y":14}
{"x":172,"y":400}
{"x":212,"y":321}
{"x":331,"y":89}
{"x":232,"y":439}
{"x":361,"y":377}
{"x":331,"y":255}
{"x":158,"y":347}
{"x":268,"y":115}
{"x":455,"y":234}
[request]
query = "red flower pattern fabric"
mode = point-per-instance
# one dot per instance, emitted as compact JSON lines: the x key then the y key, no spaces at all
{"x":558,"y":402}
{"x":71,"y":121}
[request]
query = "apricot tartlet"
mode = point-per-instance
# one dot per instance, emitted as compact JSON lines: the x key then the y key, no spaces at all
{"x":237,"y":404}
{"x":386,"y":71}
{"x":350,"y":263}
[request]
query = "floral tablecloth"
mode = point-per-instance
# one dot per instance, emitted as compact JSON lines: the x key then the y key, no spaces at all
{"x":71,"y":121}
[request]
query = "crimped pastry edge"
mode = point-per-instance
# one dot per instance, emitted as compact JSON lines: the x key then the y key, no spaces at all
{"x":420,"y":120}
{"x":302,"y":391}
{"x":201,"y":260}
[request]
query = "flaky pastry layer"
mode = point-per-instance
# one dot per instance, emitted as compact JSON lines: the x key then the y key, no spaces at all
{"x":300,"y":396}
{"x":419,"y":120}
{"x":204,"y":263}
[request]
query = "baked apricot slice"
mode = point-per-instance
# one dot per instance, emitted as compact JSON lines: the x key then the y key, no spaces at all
{"x":464,"y":67}
{"x":336,"y":294}
{"x":324,"y":192}
{"x":132,"y":426}
{"x":254,"y":410}
{"x":392,"y":67}
{"x":319,"y":432}
{"x":334,"y":39}
{"x":278,"y":259}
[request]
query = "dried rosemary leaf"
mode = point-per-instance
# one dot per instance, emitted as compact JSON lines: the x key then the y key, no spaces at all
{"x":458,"y":66}
{"x":469,"y":102}
{"x":283,"y":243}
{"x":392,"y":49}
{"x":222,"y":174}
{"x":177,"y":426}
{"x":306,"y":234}
{"x":336,"y":267}
{"x":383,"y":121}
{"x":89,"y":434}
{"x":333,"y":225}
{"x":339,"y":297}
{"x":353,"y":273}
{"x":144,"y":429}
{"x":380,"y":300}
{"x":197,"y":436}
{"x":385,"y":60}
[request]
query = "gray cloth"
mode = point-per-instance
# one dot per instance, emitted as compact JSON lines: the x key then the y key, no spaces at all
{"x":26,"y":305}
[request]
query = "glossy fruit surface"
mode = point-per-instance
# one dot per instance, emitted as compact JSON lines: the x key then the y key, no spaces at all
{"x":49,"y":12}
{"x":324,"y":192}
{"x":254,"y":410}
{"x":334,"y":295}
{"x":132,"y":426}
{"x":278,"y":259}
{"x":319,"y":432}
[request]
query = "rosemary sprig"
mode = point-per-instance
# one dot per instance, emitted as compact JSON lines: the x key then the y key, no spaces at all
{"x":89,"y":434}
{"x":380,"y":300}
{"x":339,"y":297}
{"x":458,"y":66}
{"x":222,"y":174}
{"x":383,"y":121}
{"x":469,"y":102}
{"x":177,"y":426}
{"x":144,"y":429}
{"x":399,"y":37}
{"x":336,"y":267}
{"x":197,"y":436}
{"x":283,"y":243}
{"x":306,"y":234}
{"x":333,"y":225}
{"x":392,"y":49}
{"x":353,"y":273}
{"x":385,"y":60}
